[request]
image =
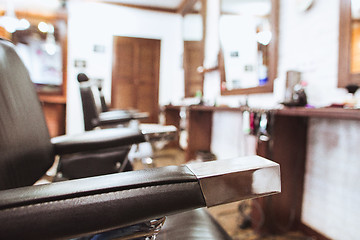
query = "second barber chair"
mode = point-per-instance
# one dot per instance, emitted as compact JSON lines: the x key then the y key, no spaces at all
{"x":97,"y":114}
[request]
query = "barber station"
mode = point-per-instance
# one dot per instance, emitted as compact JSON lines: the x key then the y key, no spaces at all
{"x":179,"y":119}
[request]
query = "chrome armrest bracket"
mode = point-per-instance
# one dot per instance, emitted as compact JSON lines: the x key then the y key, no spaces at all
{"x":225,"y":181}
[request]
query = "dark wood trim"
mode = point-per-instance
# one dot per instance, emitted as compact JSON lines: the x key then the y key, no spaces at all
{"x":334,"y":113}
{"x":273,"y":56}
{"x":34,"y":17}
{"x":267,"y":88}
{"x":206,"y":70}
{"x":47,"y":16}
{"x":199,"y":127}
{"x":274,"y":44}
{"x":60,"y":99}
{"x":312,"y":233}
{"x":186,"y":6}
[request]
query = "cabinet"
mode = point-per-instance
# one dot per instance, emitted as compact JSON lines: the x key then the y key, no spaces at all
{"x":54,"y":108}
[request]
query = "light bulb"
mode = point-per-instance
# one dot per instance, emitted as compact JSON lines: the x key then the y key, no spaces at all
{"x":9,"y":23}
{"x":23,"y":24}
{"x":264,"y":37}
{"x":43,"y":27}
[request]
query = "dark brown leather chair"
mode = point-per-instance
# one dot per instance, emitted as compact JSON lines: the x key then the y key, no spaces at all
{"x":86,"y":206}
{"x":96,"y":114}
{"x":93,"y":113}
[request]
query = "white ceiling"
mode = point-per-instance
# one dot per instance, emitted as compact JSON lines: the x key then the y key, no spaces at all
{"x":168,"y":4}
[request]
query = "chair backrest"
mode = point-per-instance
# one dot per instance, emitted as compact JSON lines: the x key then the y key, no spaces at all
{"x":104,"y":107}
{"x":90,"y":111}
{"x":26,"y":152}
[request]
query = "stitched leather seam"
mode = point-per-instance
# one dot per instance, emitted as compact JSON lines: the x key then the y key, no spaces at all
{"x":82,"y":197}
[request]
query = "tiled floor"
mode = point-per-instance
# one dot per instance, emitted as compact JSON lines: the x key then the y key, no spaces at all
{"x":227,"y":215}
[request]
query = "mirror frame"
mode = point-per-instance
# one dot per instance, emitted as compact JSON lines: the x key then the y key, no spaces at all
{"x":345,"y":76}
{"x":53,"y":18}
{"x":273,"y":56}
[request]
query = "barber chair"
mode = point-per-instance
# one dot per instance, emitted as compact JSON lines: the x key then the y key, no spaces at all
{"x":125,"y":203}
{"x":93,"y":107}
{"x":79,"y":165}
{"x":96,"y":114}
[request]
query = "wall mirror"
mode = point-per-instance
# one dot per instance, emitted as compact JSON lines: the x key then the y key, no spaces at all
{"x":193,"y":49}
{"x":42,"y":46}
{"x":349,"y":43}
{"x":248,"y":31}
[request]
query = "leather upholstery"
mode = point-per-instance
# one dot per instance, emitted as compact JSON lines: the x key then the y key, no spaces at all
{"x":96,"y":140}
{"x":120,"y":116}
{"x":93,"y":163}
{"x":92,"y":113}
{"x":25,"y":148}
{"x":26,"y":152}
{"x":192,"y":225}
{"x":72,"y":208}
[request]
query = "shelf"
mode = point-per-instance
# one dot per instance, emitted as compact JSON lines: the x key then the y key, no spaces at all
{"x":59,"y":99}
{"x":335,"y":113}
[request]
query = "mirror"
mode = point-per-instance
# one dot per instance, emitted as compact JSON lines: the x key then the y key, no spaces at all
{"x":248,"y":37}
{"x":355,"y":36}
{"x":193,"y":50}
{"x":42,"y":46}
{"x":349,"y":43}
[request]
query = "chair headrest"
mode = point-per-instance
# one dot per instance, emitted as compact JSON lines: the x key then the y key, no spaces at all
{"x":81,"y":77}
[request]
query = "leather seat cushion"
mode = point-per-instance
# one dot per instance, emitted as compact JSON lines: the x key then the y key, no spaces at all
{"x":196,"y":224}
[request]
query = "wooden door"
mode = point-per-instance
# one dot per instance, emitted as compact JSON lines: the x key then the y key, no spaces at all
{"x":193,"y":58}
{"x":135,"y":75}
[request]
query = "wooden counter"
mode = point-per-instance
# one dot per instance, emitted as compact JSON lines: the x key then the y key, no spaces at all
{"x":338,"y":113}
{"x":288,"y":143}
{"x":326,"y":112}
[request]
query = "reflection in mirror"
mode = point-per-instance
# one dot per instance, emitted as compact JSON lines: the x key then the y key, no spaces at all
{"x":355,"y":36}
{"x":349,"y":43}
{"x":248,"y":46}
{"x":193,"y":50}
{"x":244,"y":36}
{"x":40,"y":47}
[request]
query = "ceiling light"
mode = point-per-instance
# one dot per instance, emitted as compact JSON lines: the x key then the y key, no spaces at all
{"x":23,"y":24}
{"x":10,"y":22}
{"x":43,"y":27}
{"x":264,"y":37}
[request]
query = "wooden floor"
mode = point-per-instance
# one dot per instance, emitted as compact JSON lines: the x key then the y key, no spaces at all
{"x":229,"y":216}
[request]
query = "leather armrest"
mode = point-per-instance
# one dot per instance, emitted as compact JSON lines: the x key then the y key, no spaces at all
{"x":114,"y":117}
{"x":96,"y":140}
{"x":90,"y":205}
{"x":120,"y":116}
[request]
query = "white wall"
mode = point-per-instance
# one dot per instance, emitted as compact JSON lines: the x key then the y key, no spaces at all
{"x":92,"y":24}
